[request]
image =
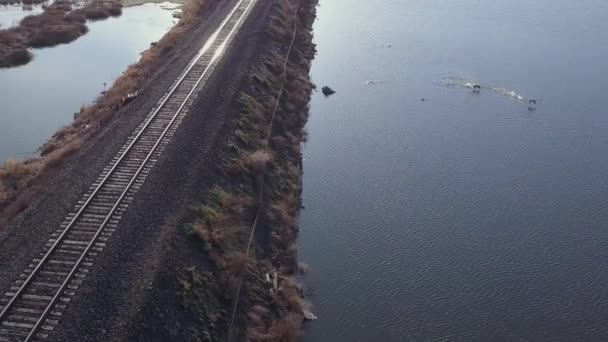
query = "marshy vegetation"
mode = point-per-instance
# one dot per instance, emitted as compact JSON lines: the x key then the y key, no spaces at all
{"x":24,"y":2}
{"x":60,"y":23}
{"x":247,"y":224}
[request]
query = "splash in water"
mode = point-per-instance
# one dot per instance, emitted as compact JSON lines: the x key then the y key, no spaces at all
{"x":459,"y":82}
{"x":509,"y":93}
{"x":373,"y":82}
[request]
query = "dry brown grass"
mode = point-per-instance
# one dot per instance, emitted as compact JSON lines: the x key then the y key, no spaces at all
{"x":235,"y":267}
{"x":221,"y":226}
{"x":284,"y":213}
{"x":192,"y":11}
{"x":23,"y":200}
{"x":258,"y":160}
{"x":252,"y":108}
{"x":237,"y":263}
{"x":3,"y":195}
{"x":56,"y":157}
{"x":286,"y":329}
{"x":14,"y":168}
{"x":273,"y":315}
{"x":291,"y":291}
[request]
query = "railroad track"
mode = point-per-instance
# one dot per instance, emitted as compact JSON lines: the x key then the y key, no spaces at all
{"x":33,"y":306}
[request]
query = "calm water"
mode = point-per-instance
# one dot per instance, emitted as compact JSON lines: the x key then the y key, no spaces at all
{"x":10,"y":15}
{"x":40,"y":97}
{"x":462,"y":217}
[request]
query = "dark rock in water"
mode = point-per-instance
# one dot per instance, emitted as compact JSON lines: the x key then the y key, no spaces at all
{"x":327,"y":91}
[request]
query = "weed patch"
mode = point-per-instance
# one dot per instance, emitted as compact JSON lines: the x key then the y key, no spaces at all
{"x":262,"y":165}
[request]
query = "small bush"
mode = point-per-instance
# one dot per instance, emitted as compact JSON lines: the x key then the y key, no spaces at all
{"x":8,"y":37}
{"x":55,"y":157}
{"x":191,"y":11}
{"x":52,"y":15}
{"x":20,"y":204}
{"x":287,"y":329}
{"x":60,"y":34}
{"x":14,"y":168}
{"x":3,"y":195}
{"x":115,"y":10}
{"x":75,"y":17}
{"x":16,"y":57}
{"x":95,"y":13}
{"x":283,"y":213}
{"x":258,"y":160}
{"x":237,"y":264}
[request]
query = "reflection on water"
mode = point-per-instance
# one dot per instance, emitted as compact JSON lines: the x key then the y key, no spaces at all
{"x":40,"y":97}
{"x":463,"y":217}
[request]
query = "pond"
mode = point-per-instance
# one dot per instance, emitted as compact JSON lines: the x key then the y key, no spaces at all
{"x":42,"y":96}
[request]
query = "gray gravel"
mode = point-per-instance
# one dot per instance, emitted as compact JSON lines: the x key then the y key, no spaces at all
{"x":128,"y":294}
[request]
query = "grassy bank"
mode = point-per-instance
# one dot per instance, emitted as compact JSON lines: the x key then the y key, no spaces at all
{"x":247,"y":224}
{"x":18,"y":179}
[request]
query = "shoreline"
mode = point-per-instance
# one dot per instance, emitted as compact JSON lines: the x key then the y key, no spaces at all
{"x":133,"y":3}
{"x":259,"y":197}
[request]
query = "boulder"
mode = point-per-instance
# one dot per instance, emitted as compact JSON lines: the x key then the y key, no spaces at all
{"x":327,"y":91}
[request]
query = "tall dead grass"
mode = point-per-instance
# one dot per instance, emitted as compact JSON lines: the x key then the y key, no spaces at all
{"x":258,"y":161}
{"x":220,"y":225}
{"x":3,"y":195}
{"x":15,"y":169}
{"x":271,"y":307}
{"x":287,"y":329}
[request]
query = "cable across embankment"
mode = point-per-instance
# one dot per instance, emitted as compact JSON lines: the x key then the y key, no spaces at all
{"x":261,"y":179}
